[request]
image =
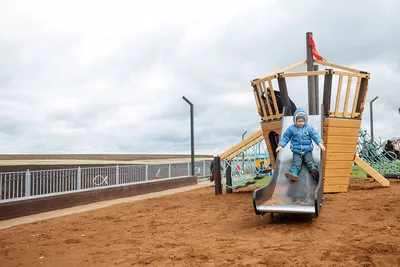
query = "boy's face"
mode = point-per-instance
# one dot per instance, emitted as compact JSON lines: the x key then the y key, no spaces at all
{"x":300,"y":123}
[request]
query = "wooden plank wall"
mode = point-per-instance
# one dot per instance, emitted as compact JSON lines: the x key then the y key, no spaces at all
{"x":267,"y":127}
{"x":340,"y":138}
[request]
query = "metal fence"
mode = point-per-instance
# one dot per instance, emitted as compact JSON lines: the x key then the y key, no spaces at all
{"x":25,"y":184}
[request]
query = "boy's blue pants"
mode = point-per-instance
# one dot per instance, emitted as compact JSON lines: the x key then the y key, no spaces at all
{"x":298,"y":159}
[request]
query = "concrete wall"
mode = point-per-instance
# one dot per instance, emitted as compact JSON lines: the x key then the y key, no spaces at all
{"x":13,"y":209}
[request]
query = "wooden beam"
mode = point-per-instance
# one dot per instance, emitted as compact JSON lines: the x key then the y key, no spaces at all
{"x":356,"y":95}
{"x":337,"y":148}
{"x":333,"y":65}
{"x":338,"y":156}
{"x":259,"y":91}
{"x":271,"y":114}
{"x":337,"y":172}
{"x":336,"y":180}
{"x":336,"y":188}
{"x":271,"y":126}
{"x":338,"y":131}
{"x":364,"y":97}
{"x":339,"y":91}
{"x":265,"y":118}
{"x":346,"y":99}
{"x":270,"y":75}
{"x":257,"y":102}
{"x":303,"y":73}
{"x":340,"y":140}
{"x":327,"y":92}
{"x":284,"y":96}
{"x":371,"y":171}
{"x":243,"y":145}
{"x":344,"y":73}
{"x":342,"y":122}
{"x":271,"y":88}
{"x":347,"y":114}
{"x":339,"y":164}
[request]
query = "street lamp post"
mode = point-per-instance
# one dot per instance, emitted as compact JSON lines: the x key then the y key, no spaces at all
{"x":191,"y":132}
{"x":372,"y":116}
{"x":244,"y":135}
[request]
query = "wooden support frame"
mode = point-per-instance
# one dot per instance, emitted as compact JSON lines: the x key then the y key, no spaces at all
{"x":303,"y":73}
{"x":353,"y":101}
{"x":342,"y":115}
{"x":333,"y":65}
{"x":271,"y":88}
{"x":242,"y":146}
{"x":362,"y":95}
{"x":371,"y":171}
{"x":260,"y":93}
{"x":344,"y":73}
{"x":266,"y":102}
{"x":327,"y":92}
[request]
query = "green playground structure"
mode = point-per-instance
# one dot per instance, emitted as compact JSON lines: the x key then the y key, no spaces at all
{"x":373,"y":152}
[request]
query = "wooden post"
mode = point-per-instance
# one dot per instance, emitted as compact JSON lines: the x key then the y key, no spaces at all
{"x":284,"y":96}
{"x":327,"y":92}
{"x":361,"y":93}
{"x":316,"y":82}
{"x":228,"y":177}
{"x":310,"y":79}
{"x":218,"y":180}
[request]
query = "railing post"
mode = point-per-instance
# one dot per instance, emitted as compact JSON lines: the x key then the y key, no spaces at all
{"x":316,"y":85}
{"x":284,"y":96}
{"x":28,"y":183}
{"x":327,"y":92}
{"x":147,"y":172}
{"x":218,"y":182}
{"x":169,"y":170}
{"x":361,"y":94}
{"x":79,"y":179}
{"x":188,"y":168}
{"x":117,"y":175}
{"x":228,"y":175}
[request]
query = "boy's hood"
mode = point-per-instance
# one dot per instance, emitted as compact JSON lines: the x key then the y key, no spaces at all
{"x":300,"y":111}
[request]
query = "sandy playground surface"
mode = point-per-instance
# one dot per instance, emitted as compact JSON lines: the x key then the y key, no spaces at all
{"x":197,"y":228}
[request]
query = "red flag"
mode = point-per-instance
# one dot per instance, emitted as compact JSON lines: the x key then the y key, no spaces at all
{"x":313,"y":49}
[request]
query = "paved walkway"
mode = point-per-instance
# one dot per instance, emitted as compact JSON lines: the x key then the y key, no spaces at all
{"x":98,"y":205}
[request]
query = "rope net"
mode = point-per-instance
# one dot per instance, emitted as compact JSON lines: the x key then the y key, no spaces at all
{"x":247,"y":167}
{"x":373,"y":152}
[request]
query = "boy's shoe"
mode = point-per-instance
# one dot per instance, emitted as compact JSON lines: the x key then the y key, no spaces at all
{"x":292,"y":177}
{"x":315,"y":174}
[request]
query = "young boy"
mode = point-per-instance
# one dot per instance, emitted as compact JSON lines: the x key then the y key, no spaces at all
{"x":301,"y":135}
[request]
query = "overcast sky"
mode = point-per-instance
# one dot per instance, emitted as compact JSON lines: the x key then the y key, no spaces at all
{"x":109,"y":76}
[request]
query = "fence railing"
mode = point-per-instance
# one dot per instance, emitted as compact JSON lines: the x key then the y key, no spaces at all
{"x":26,"y":184}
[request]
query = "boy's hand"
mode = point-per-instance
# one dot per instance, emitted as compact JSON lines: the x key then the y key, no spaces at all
{"x":278,"y":149}
{"x":322,"y":147}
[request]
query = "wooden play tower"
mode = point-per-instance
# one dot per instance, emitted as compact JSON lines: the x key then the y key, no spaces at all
{"x":344,"y":95}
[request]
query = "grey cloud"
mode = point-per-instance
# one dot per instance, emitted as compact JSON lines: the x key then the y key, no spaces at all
{"x":250,"y":46}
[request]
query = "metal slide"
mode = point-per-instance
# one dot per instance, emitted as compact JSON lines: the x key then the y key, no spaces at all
{"x":284,"y":196}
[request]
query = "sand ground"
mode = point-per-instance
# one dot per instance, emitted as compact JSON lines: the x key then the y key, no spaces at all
{"x":197,"y":228}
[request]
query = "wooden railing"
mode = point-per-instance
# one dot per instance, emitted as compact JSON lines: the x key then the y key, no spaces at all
{"x":266,"y":100}
{"x":350,"y":109}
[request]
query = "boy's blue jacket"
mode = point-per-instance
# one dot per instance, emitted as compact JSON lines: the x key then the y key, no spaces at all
{"x":301,"y":138}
